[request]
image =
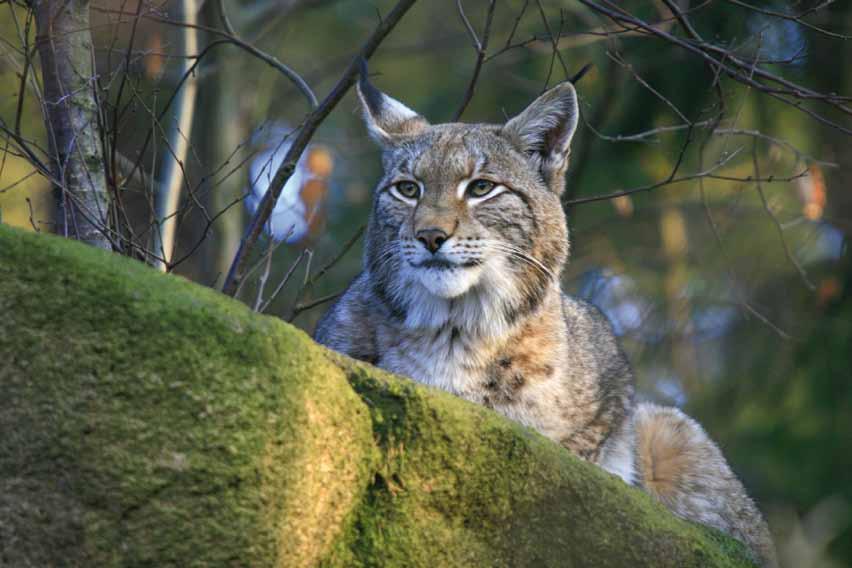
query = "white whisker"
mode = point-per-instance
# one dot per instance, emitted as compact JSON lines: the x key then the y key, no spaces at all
{"x":516,"y":252}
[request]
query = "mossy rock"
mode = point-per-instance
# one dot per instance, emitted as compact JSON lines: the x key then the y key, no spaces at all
{"x":147,"y":421}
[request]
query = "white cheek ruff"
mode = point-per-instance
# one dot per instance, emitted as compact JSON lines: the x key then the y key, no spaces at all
{"x":442,"y":282}
{"x":475,"y":299}
{"x":437,"y":360}
{"x":449,"y":283}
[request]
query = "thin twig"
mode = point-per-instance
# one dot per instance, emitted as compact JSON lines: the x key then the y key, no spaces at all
{"x":310,"y":280}
{"x":32,"y":221}
{"x":554,"y":39}
{"x":24,"y":75}
{"x":284,"y":281}
{"x":515,"y":25}
{"x":740,"y":297}
{"x":340,"y":254}
{"x":264,"y":276}
{"x":223,"y":15}
{"x":299,"y":308}
{"x":481,"y":48}
{"x":759,"y":186}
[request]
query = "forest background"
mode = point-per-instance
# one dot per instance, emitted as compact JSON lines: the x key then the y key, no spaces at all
{"x":708,"y":203}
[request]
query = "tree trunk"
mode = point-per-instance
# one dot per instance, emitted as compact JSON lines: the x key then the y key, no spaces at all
{"x":230,"y":133}
{"x":179,"y":131}
{"x":64,"y":44}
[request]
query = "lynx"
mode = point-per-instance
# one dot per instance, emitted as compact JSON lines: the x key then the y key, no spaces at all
{"x":460,"y":290}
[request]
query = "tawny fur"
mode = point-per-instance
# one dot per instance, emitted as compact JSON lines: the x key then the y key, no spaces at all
{"x":483,"y":316}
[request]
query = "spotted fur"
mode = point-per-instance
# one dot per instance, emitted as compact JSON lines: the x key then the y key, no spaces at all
{"x":479,"y":312}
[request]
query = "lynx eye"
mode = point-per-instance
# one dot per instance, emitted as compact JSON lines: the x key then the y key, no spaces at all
{"x":480,"y":187}
{"x":407,"y":189}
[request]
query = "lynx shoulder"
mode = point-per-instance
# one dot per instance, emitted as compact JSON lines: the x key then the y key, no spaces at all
{"x":460,"y":290}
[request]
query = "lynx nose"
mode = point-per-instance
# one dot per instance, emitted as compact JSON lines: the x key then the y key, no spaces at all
{"x":432,"y":239}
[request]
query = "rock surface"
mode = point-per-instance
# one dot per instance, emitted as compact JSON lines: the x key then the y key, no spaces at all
{"x":147,"y":421}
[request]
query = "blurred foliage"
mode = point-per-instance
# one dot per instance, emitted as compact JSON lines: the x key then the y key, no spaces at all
{"x":695,"y":275}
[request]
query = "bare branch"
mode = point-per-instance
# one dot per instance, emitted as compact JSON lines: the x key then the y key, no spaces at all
{"x":739,"y":69}
{"x":793,"y":18}
{"x":270,"y":60}
{"x":708,"y":173}
{"x":740,"y":298}
{"x":617,"y":58}
{"x":341,"y":253}
{"x":288,"y":165}
{"x":312,"y":304}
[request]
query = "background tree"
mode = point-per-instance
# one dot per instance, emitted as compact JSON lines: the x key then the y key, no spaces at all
{"x":71,"y":121}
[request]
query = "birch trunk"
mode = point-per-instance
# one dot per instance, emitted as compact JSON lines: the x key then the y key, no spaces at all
{"x":64,"y":44}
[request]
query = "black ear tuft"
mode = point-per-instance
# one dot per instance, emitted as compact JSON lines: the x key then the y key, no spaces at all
{"x":371,"y":95}
{"x":362,"y":67}
{"x":579,"y":75}
{"x":388,"y":120}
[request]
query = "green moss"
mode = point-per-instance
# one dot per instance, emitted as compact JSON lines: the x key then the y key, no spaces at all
{"x":461,"y":485}
{"x":150,"y":422}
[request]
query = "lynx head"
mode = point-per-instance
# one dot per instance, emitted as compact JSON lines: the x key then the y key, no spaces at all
{"x":467,"y":224}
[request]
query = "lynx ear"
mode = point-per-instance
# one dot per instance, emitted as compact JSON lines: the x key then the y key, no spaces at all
{"x":388,"y":120}
{"x":543,"y":131}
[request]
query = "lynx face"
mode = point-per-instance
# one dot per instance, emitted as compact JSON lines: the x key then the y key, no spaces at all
{"x":467,"y":222}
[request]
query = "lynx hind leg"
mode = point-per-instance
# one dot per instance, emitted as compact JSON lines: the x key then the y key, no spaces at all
{"x":682,"y":467}
{"x":618,"y":454}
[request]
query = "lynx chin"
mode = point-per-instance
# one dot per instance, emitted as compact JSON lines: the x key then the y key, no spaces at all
{"x":460,"y":290}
